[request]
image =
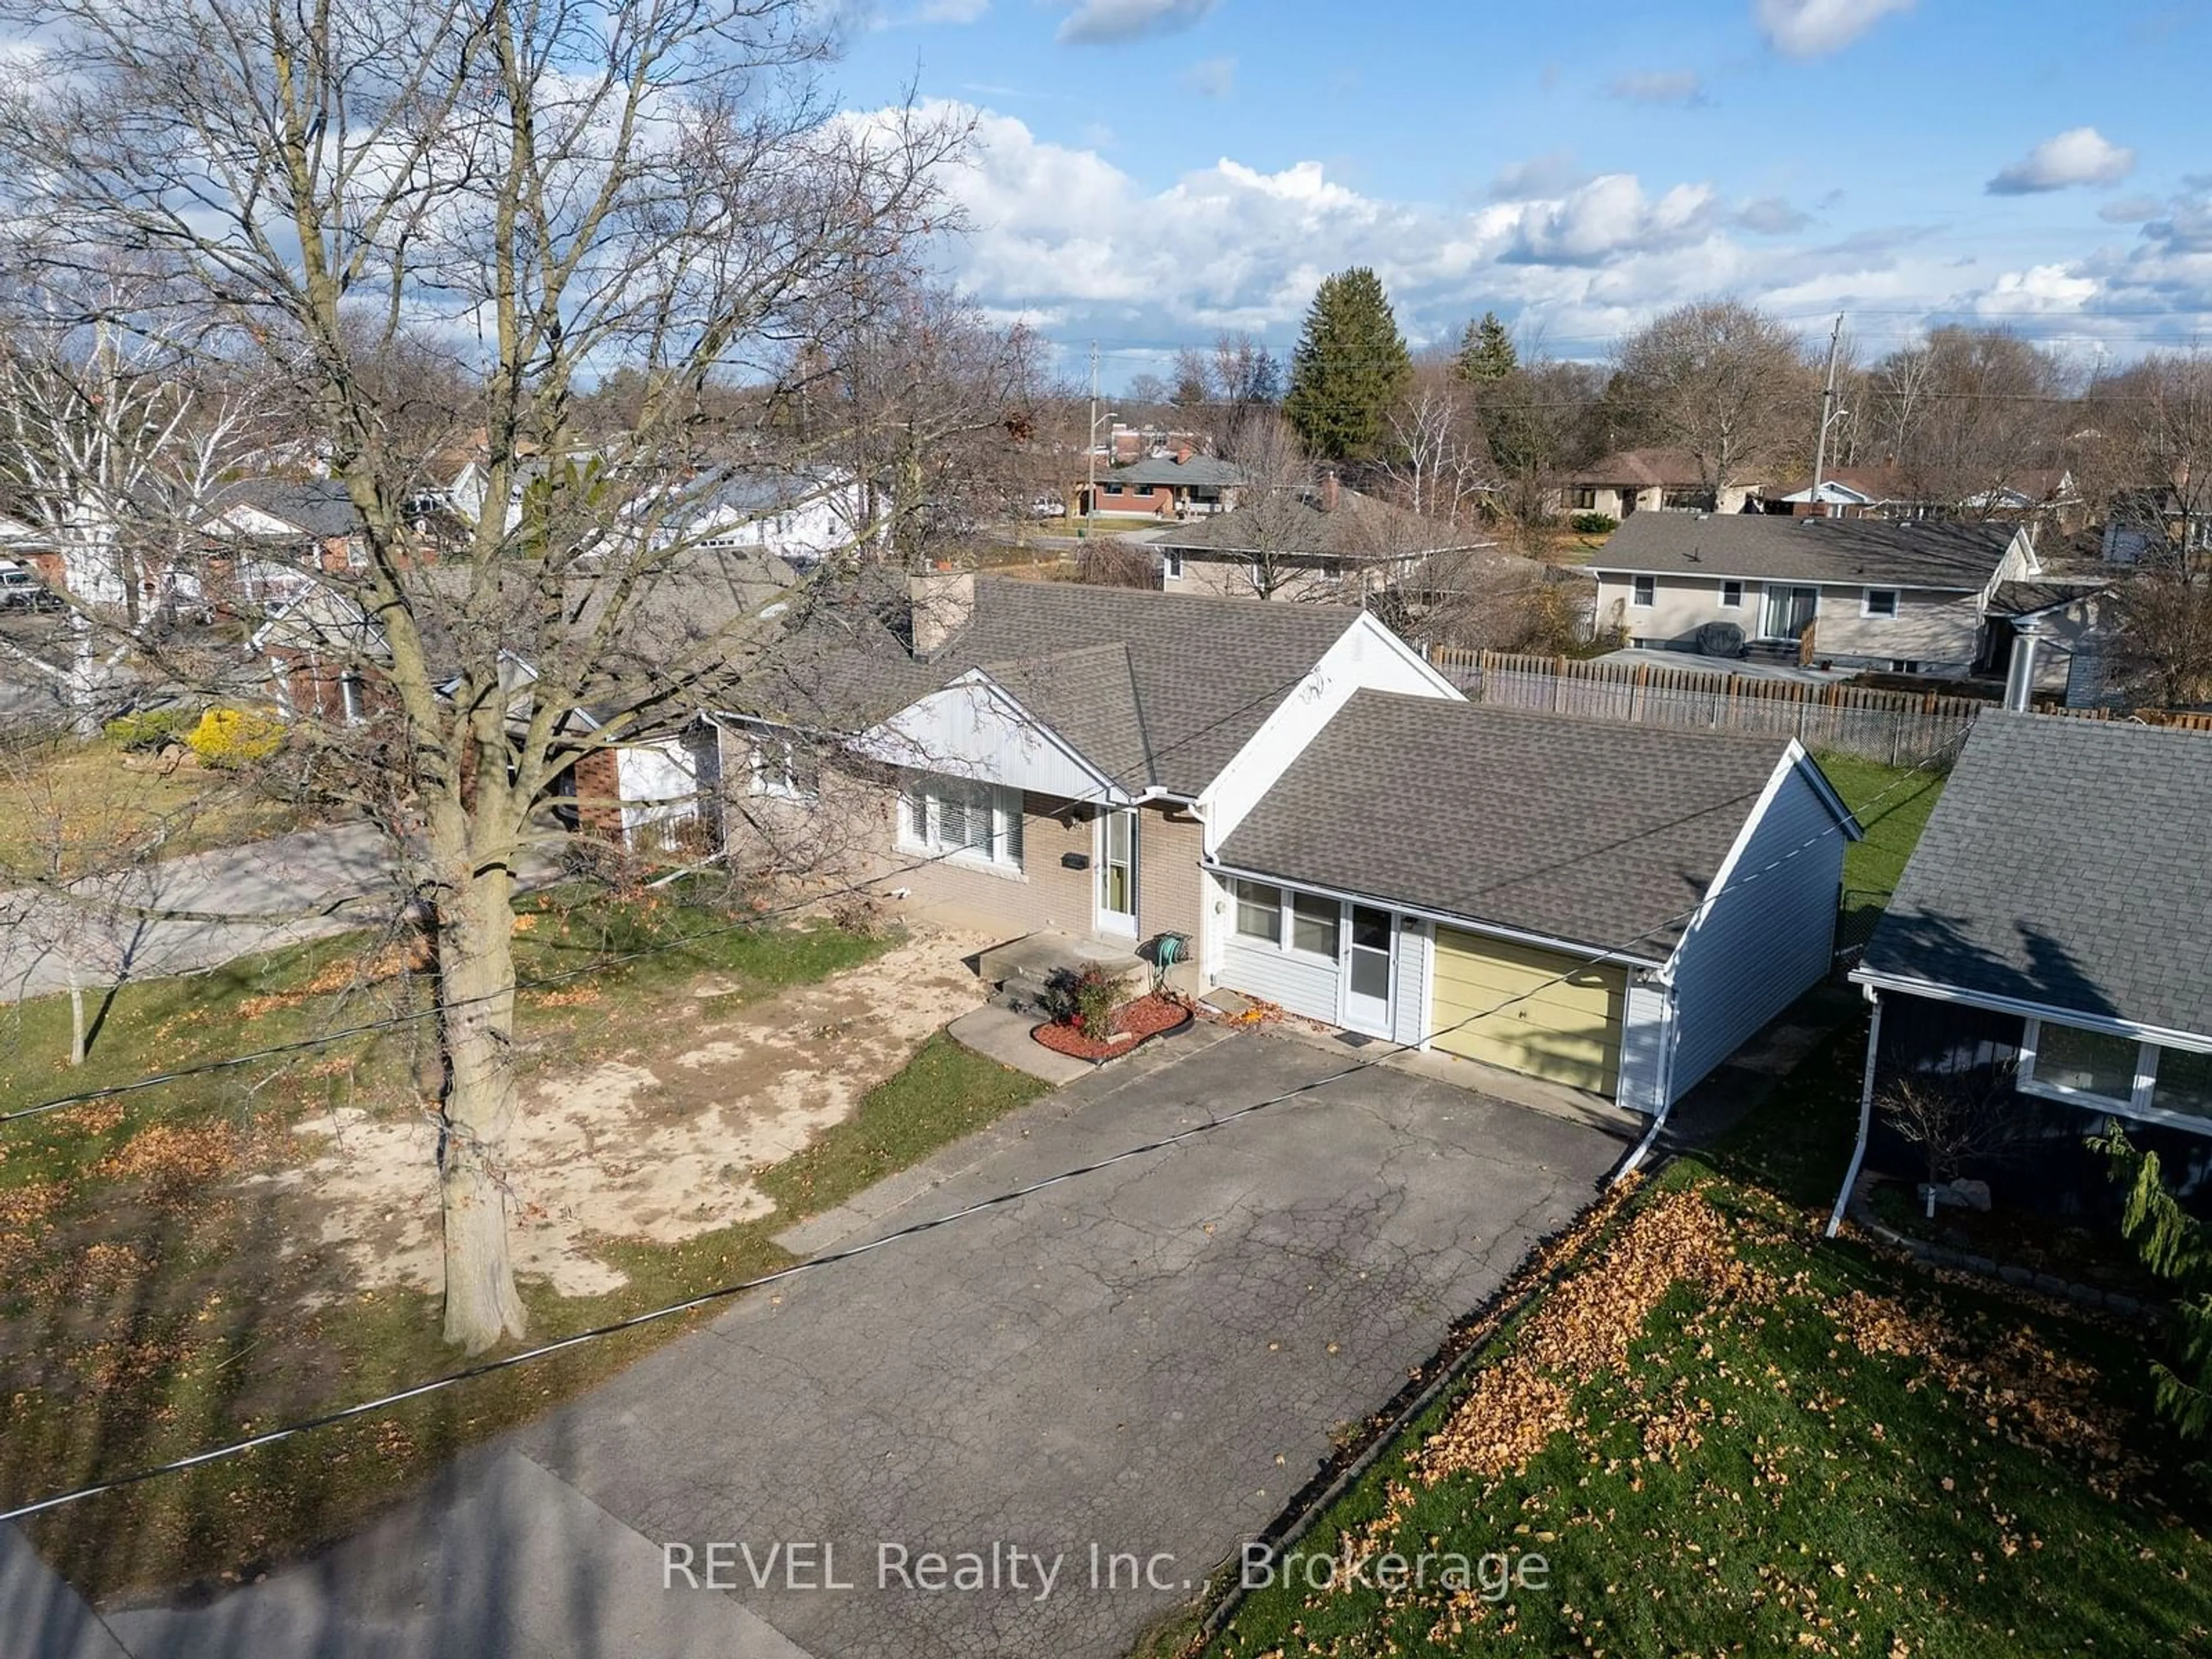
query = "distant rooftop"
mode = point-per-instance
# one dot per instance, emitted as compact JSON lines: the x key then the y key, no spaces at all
{"x":1909,"y":553}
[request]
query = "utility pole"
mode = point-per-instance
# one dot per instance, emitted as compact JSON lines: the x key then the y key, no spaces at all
{"x":1091,"y":452}
{"x":1827,"y":411}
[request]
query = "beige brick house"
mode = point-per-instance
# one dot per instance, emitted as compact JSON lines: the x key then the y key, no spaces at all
{"x":1317,"y":819}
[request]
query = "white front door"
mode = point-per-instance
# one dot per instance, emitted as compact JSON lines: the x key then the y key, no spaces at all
{"x":1117,"y":872}
{"x":1368,"y":958}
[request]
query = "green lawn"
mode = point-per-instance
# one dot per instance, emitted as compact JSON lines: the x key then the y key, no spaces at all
{"x":1893,"y":803}
{"x":1724,"y":1434}
{"x":150,"y":1307}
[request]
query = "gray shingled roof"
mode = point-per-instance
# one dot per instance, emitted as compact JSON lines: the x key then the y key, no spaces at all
{"x":1195,"y":677}
{"x":1293,"y":522}
{"x":2066,"y":866}
{"x":1199,"y":473}
{"x":1915,"y":553}
{"x":1594,"y":832}
{"x":316,"y":507}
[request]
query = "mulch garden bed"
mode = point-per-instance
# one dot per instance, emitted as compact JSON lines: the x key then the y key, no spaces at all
{"x":1149,"y":1016}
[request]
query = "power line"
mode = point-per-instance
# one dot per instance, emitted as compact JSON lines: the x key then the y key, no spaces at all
{"x":999,"y":1200}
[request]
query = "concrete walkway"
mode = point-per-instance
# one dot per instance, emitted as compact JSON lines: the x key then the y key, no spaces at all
{"x":1146,"y":1362}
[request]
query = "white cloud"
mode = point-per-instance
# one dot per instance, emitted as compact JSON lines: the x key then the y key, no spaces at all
{"x":2039,"y":291}
{"x":1553,"y":173}
{"x":1212,"y":77}
{"x":1772,"y":215}
{"x":927,"y":13}
{"x":1607,"y":217}
{"x":2131,"y":210}
{"x":1683,"y":87}
{"x":1064,"y":236}
{"x":2079,"y":155}
{"x":1814,"y":28}
{"x":1060,"y":231}
{"x":1106,"y":23}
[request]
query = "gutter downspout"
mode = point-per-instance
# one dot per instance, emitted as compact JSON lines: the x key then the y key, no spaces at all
{"x":1866,"y":1116}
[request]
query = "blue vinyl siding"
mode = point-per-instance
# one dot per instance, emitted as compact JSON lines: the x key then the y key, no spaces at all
{"x":1768,"y":938}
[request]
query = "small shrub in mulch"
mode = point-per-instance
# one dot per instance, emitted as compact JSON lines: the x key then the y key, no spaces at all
{"x":1131,"y":1023}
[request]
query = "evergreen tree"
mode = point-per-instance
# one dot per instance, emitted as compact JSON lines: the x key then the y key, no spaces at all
{"x":1351,"y":366}
{"x":2174,"y":1245}
{"x":1486,"y":351}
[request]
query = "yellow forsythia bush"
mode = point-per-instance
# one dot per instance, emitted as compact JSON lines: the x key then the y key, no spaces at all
{"x":234,"y":737}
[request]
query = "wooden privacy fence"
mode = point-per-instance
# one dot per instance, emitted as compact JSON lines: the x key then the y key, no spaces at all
{"x":2183,"y":720}
{"x":1899,"y":728}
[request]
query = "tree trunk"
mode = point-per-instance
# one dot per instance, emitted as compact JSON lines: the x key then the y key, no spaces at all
{"x":476,"y":1024}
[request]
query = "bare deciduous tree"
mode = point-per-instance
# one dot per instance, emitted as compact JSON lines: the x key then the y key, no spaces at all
{"x":1722,"y":380}
{"x":1967,"y":414}
{"x":568,"y":190}
{"x":1955,"y":1120}
{"x":1438,"y":462}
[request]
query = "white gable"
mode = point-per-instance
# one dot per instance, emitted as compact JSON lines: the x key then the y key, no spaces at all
{"x":974,"y":728}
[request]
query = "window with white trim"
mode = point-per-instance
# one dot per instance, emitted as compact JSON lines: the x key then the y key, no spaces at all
{"x":1259,"y":911}
{"x":782,"y":767}
{"x":2183,"y":1083}
{"x":1731,"y":595}
{"x":961,"y":819}
{"x":1878,"y":602}
{"x":2105,"y":1070}
{"x":1171,"y":562}
{"x":1642,"y":592}
{"x":1313,"y":923}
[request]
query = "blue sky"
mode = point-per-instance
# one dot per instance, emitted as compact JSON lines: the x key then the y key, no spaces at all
{"x":1148,"y":171}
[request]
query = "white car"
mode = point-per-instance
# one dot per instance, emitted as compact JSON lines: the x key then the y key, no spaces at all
{"x":21,"y":589}
{"x":1047,"y":507}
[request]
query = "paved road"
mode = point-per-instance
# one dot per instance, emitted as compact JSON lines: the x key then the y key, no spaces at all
{"x":1150,"y":1359}
{"x":43,"y":934}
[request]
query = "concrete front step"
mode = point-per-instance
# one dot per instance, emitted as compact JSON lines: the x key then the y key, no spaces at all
{"x":1022,"y":969}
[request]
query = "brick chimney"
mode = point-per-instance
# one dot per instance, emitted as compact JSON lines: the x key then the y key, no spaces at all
{"x":1328,"y":489}
{"x":1183,"y":452}
{"x":943,"y":601}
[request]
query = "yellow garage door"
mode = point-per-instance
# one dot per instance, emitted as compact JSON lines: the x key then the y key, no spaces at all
{"x":1568,"y":1031}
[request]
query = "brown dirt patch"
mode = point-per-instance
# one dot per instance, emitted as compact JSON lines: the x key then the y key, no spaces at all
{"x":659,"y":1147}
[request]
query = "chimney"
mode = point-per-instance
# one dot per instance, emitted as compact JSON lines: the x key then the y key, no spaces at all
{"x":1328,"y":489}
{"x":1183,"y":452}
{"x":2019,"y":673}
{"x":943,"y":601}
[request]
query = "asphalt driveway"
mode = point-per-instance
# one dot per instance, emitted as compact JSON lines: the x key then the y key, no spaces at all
{"x":1147,"y":1361}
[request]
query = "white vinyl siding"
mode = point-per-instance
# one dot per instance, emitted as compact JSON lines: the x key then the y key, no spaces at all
{"x":1409,"y":990}
{"x":1644,"y":1033}
{"x":1768,"y":937}
{"x":1304,"y":985}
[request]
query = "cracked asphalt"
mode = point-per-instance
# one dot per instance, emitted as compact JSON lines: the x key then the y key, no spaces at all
{"x":1149,"y":1360}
